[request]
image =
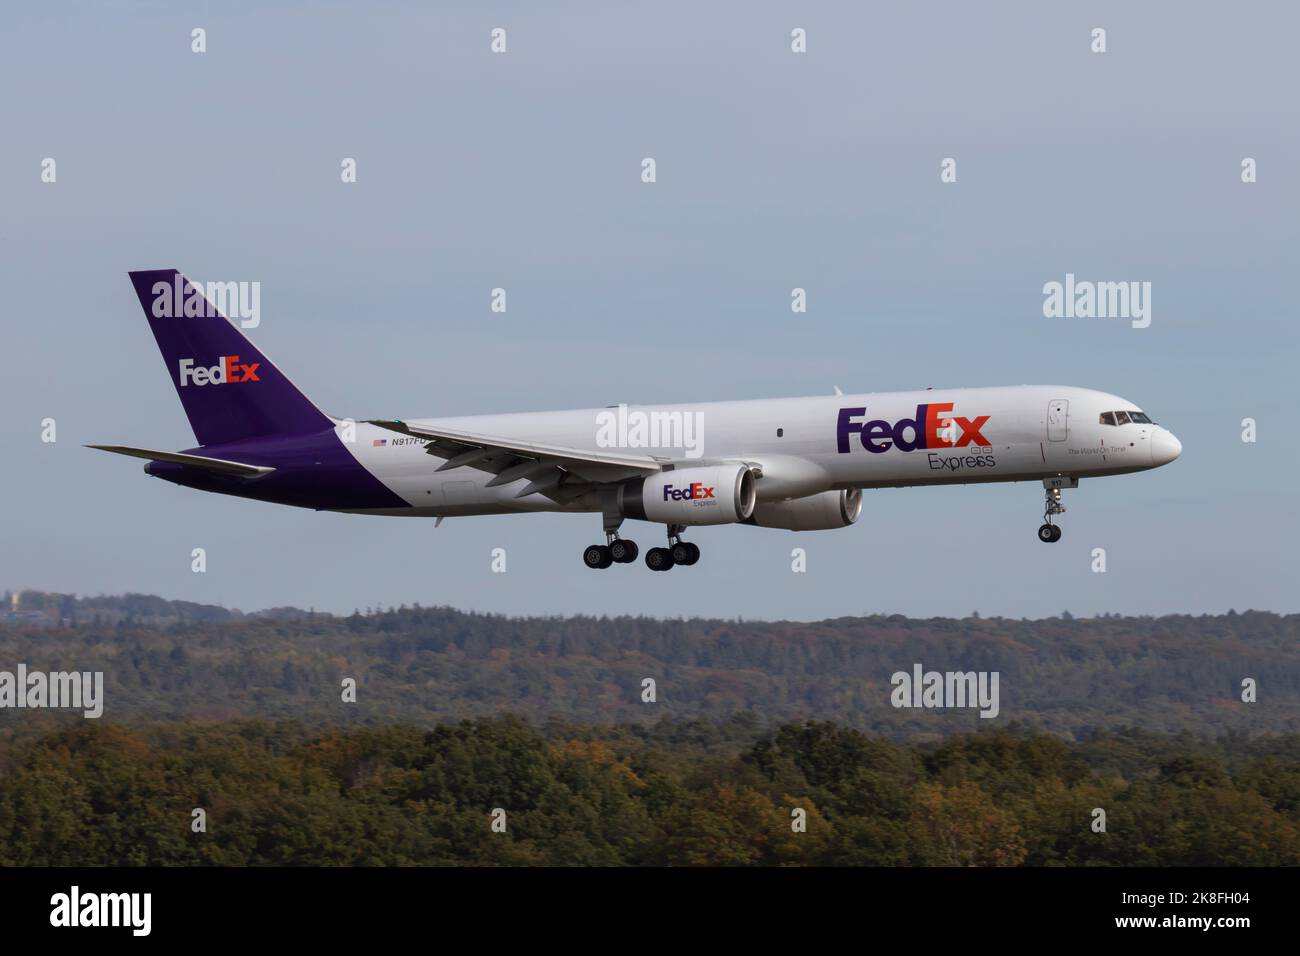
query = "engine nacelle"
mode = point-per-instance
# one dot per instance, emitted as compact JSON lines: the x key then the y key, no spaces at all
{"x":718,"y":494}
{"x":822,"y":512}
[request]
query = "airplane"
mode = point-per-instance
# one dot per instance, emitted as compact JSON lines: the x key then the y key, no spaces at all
{"x":798,"y":464}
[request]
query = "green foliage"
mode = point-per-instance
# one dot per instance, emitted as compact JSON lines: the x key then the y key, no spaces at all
{"x":757,"y":725}
{"x":172,"y":660}
{"x":282,"y":793}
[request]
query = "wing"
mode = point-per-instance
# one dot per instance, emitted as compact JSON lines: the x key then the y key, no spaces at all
{"x":220,"y":465}
{"x":556,"y":471}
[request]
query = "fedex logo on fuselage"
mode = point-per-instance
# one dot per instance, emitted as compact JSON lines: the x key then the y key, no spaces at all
{"x":932,"y":427}
{"x":695,"y":491}
{"x":228,"y":369}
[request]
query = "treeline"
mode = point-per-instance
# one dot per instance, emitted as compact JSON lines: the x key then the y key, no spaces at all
{"x":425,"y":665}
{"x":675,"y":793}
{"x":51,"y":608}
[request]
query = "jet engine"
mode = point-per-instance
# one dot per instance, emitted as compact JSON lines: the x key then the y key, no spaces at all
{"x":822,"y":512}
{"x":719,"y":494}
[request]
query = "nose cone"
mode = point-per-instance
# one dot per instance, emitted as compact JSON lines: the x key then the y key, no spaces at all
{"x":1164,"y":447}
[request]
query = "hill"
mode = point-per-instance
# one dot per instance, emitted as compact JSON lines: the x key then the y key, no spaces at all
{"x":170,"y":660}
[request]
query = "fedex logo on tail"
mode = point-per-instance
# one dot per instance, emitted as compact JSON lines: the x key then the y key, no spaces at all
{"x":228,"y":369}
{"x":932,"y":427}
{"x":695,"y":491}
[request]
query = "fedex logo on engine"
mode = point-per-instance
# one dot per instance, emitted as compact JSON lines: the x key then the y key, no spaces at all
{"x":932,"y":427}
{"x":228,"y":369}
{"x":695,"y":491}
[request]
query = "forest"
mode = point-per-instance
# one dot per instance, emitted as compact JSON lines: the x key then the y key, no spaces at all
{"x":172,"y":660}
{"x":431,"y":736}
{"x":675,"y":793}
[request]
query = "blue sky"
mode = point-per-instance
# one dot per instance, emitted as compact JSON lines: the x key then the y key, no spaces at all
{"x":775,"y":170}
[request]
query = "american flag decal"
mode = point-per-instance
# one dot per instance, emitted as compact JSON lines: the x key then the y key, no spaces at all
{"x":380,"y":442}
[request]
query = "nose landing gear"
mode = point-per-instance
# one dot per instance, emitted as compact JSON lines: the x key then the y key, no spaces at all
{"x":1049,"y":533}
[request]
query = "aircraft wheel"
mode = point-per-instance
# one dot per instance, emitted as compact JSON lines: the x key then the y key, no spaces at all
{"x":597,"y":556}
{"x":684,"y":552}
{"x":623,"y":551}
{"x":1048,"y":533}
{"x":659,"y":559}
{"x":1056,"y":532}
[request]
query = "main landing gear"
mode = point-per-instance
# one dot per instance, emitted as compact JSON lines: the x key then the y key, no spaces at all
{"x":617,"y":551}
{"x":622,"y":551}
{"x":677,"y":552}
{"x":1049,"y":533}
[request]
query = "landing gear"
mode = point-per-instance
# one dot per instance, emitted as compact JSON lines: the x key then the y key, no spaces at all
{"x":678,"y":551}
{"x":617,"y":551}
{"x":659,"y":559}
{"x":1049,"y":533}
{"x":623,"y":551}
{"x":684,"y":552}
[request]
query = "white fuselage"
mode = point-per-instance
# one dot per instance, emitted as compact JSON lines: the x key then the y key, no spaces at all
{"x":801,"y":446}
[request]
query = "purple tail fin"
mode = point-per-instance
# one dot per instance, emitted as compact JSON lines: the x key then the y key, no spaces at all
{"x":230,"y":390}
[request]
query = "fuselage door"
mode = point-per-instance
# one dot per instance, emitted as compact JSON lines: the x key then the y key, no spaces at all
{"x":460,"y":493}
{"x":1058,"y":419}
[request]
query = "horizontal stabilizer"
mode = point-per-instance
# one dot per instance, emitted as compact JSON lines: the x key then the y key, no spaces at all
{"x":219,"y":465}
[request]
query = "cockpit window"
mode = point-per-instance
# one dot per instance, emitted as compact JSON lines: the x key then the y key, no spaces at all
{"x":1124,"y":418}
